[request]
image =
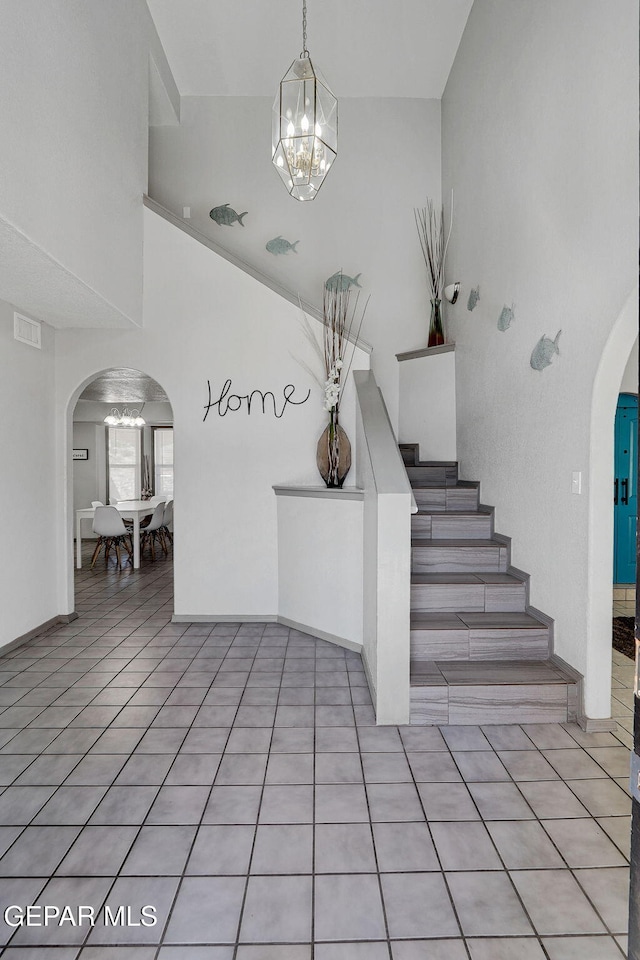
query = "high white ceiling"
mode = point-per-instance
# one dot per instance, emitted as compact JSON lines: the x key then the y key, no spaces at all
{"x":364,"y":48}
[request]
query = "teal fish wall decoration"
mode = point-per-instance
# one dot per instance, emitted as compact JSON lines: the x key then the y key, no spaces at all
{"x":279,"y":246}
{"x":474,"y":296}
{"x":340,"y":282}
{"x":505,"y":319}
{"x":225,"y":215}
{"x":544,"y":351}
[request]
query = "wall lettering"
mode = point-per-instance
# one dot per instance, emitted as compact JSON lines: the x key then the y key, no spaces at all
{"x":229,"y":402}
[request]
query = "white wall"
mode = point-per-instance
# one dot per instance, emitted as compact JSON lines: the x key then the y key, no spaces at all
{"x":206,"y":320}
{"x":89,"y":476}
{"x":73,"y":152}
{"x":428,"y":403}
{"x":27,"y":481}
{"x":539,"y":143}
{"x":630,"y":376}
{"x":361,"y":222}
{"x":320,"y":564}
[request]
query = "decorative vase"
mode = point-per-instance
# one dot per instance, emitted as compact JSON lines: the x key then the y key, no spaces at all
{"x":436,"y":330}
{"x":333,"y":454}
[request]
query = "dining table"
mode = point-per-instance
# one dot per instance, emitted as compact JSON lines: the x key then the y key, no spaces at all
{"x":134,"y":510}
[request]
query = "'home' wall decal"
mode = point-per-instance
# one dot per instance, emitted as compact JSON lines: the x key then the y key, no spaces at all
{"x":229,"y":402}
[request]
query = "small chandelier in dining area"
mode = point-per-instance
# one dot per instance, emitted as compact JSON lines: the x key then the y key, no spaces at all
{"x":128,"y":418}
{"x":305,"y":126}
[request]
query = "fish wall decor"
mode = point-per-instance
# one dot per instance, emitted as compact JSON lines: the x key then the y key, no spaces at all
{"x":279,"y":246}
{"x":225,"y":215}
{"x":340,"y":282}
{"x":506,"y":318}
{"x":474,"y":296}
{"x":544,"y":351}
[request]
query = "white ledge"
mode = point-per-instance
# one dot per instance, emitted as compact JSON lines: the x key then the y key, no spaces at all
{"x":329,"y":493}
{"x":426,"y":352}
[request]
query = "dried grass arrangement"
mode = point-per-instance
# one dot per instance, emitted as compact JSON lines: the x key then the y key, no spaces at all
{"x":430,"y":227}
{"x":341,"y":333}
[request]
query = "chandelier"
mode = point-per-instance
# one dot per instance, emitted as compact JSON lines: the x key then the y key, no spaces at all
{"x":305,"y":126}
{"x":128,"y":418}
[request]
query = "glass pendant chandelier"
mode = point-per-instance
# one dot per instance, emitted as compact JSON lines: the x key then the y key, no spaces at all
{"x":305,"y":126}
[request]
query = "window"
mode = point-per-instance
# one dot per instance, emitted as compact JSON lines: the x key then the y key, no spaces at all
{"x":163,"y":460}
{"x":124,"y":463}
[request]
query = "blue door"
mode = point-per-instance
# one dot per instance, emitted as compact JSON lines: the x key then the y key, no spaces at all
{"x":625,"y":489}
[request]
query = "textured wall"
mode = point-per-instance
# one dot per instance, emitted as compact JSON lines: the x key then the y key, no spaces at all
{"x":539,"y":144}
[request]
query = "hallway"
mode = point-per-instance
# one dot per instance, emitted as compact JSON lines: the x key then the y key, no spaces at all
{"x":230,"y":776}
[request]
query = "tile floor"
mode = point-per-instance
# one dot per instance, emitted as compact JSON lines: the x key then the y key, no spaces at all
{"x":232,"y":777}
{"x":624,"y":600}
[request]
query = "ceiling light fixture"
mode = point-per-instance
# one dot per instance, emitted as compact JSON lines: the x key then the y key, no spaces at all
{"x":305,"y":126}
{"x":128,"y":418}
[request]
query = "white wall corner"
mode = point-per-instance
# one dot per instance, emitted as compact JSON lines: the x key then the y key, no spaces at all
{"x":427,"y":392}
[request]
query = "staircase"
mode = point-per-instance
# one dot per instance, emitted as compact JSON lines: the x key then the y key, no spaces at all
{"x":479,"y":653}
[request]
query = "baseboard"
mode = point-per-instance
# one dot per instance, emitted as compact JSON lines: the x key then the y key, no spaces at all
{"x":222,"y":618}
{"x":269,"y":618}
{"x":372,"y":687}
{"x":42,"y":628}
{"x":321,"y":634}
{"x":591,"y":725}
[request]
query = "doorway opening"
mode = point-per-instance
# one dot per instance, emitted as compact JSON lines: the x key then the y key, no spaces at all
{"x":122,"y":438}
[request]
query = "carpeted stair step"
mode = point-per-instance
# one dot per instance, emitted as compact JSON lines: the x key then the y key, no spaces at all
{"x":478,"y":636}
{"x":458,"y":525}
{"x":459,"y":556}
{"x":514,"y":691}
{"x":467,"y":593}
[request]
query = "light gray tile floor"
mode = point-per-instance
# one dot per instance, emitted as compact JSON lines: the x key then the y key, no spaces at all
{"x":232,"y":777}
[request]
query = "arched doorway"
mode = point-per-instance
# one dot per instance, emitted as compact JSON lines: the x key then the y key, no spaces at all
{"x":111,"y":460}
{"x":606,"y":389}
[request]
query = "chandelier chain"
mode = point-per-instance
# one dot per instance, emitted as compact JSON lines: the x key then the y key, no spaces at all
{"x":305,"y":52}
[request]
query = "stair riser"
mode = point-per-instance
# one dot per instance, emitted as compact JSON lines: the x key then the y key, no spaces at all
{"x":468,"y":597}
{"x":448,"y":527}
{"x":438,"y":499}
{"x":409,"y":454}
{"x":493,"y":703}
{"x":455,"y":559}
{"x":500,"y":644}
{"x":444,"y":475}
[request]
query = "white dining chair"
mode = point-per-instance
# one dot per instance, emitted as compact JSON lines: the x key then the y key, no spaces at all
{"x":111,"y":531}
{"x":153,"y":532}
{"x":168,"y":521}
{"x":97,"y":503}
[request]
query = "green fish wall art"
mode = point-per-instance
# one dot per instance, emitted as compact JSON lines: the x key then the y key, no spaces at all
{"x":506,"y":318}
{"x":279,"y":246}
{"x":340,"y":282}
{"x":474,"y":296}
{"x":544,"y":351}
{"x":226,"y":216}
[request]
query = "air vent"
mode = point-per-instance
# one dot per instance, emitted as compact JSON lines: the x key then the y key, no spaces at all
{"x":27,"y":331}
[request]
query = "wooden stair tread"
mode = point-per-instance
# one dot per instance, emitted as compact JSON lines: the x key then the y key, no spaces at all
{"x":457,"y":484}
{"x":439,"y":514}
{"x":466,"y":577}
{"x":476,"y":621}
{"x":418,"y":542}
{"x":487,"y":673}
